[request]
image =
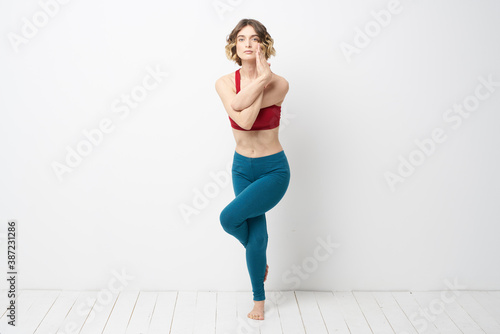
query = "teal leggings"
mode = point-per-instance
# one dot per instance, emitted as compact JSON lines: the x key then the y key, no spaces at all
{"x":259,"y":184}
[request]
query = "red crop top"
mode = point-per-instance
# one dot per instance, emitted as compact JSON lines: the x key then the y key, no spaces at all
{"x":268,"y":118}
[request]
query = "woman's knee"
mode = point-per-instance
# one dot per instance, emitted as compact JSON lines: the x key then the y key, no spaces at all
{"x":257,"y":241}
{"x":227,"y":220}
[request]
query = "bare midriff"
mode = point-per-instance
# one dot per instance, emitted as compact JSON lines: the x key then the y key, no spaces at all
{"x":259,"y":143}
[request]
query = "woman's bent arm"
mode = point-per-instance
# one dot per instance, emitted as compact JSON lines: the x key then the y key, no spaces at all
{"x":247,"y":96}
{"x":244,"y":118}
{"x":249,"y":115}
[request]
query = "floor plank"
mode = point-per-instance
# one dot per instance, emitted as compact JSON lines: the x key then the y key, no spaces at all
{"x":100,"y":311}
{"x":78,"y":314}
{"x":332,"y":314}
{"x":286,"y":312}
{"x":374,"y":316}
{"x":38,"y":311}
{"x":490,"y":303}
{"x":353,"y":316}
{"x":54,"y":318}
{"x":163,"y":313}
{"x":226,"y":321}
{"x":291,"y":322}
{"x":411,"y":308}
{"x":454,"y":310}
{"x":121,"y":312}
{"x":495,"y":293}
{"x":184,"y":312}
{"x":310,"y":313}
{"x":478,"y":313}
{"x":434,"y":307}
{"x":205,"y":313}
{"x":143,"y":313}
{"x":394,"y":314}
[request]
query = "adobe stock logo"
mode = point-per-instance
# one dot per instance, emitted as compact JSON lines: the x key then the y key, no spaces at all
{"x":90,"y":307}
{"x":31,"y":28}
{"x":426,"y":147}
{"x":223,"y":6}
{"x":424,"y":316}
{"x":95,"y":136}
{"x":372,"y":29}
{"x":210,"y":190}
{"x":322,"y":252}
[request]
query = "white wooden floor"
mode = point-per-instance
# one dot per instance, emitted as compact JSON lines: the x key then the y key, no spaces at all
{"x":92,"y":312}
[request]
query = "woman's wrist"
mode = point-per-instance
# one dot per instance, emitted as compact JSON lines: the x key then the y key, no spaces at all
{"x":266,"y":78}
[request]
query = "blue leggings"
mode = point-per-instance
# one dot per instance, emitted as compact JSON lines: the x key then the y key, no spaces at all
{"x":259,"y":184}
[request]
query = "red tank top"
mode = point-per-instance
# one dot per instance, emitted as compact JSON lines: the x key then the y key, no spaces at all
{"x":268,"y":118}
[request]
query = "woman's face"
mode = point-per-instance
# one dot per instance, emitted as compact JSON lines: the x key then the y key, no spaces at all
{"x":247,"y":43}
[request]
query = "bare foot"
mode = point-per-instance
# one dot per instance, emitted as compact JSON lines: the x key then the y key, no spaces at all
{"x":258,"y":310}
{"x":267,"y":269}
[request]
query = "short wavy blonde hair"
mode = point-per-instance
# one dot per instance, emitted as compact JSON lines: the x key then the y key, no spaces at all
{"x":264,"y":37}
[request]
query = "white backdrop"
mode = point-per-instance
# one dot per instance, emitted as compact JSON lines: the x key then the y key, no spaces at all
{"x":116,"y":148}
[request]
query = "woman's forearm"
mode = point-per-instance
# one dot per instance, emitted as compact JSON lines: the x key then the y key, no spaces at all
{"x":246,"y":97}
{"x":249,"y":114}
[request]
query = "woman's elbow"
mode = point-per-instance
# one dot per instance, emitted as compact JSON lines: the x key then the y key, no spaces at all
{"x":235,"y":106}
{"x":245,"y":125}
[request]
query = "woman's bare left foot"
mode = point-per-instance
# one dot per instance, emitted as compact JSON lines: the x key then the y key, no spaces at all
{"x":267,"y":269}
{"x":258,"y":310}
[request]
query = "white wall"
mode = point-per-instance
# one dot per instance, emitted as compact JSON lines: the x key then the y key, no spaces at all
{"x":347,"y":121}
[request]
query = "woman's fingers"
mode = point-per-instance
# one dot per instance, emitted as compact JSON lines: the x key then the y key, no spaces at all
{"x":261,"y":61}
{"x":261,"y":56}
{"x":258,"y":59}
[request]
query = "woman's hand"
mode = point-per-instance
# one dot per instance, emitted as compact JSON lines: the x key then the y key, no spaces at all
{"x":263,"y":68}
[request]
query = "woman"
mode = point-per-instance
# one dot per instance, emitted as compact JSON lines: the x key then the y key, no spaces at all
{"x":252,"y":97}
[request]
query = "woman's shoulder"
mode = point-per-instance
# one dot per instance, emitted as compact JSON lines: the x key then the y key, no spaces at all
{"x":226,"y":78}
{"x":279,"y":78}
{"x":279,"y":81}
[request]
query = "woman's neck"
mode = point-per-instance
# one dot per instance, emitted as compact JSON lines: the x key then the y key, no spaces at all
{"x":248,"y":70}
